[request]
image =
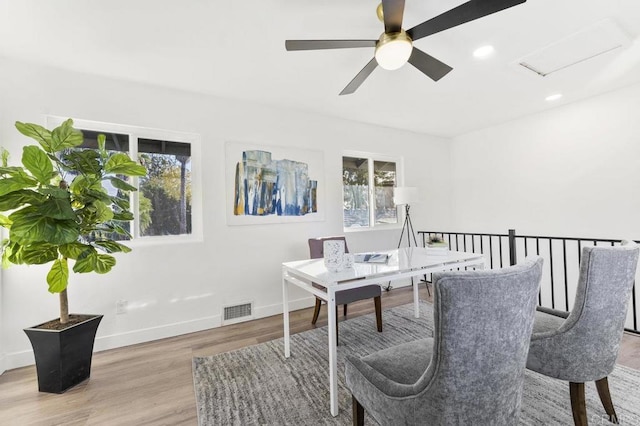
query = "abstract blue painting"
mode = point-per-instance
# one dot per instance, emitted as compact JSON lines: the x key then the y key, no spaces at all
{"x":265,"y":186}
{"x":269,"y":185}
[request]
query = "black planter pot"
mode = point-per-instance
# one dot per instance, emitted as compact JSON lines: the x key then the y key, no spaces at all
{"x":63,"y":357}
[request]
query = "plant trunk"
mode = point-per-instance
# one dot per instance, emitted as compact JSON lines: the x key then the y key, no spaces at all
{"x":64,"y":307}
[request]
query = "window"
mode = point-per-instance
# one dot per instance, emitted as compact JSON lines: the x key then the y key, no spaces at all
{"x":164,"y":202}
{"x":367,"y":185}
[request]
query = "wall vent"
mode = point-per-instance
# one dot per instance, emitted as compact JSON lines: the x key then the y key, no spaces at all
{"x":237,"y":313}
{"x":600,"y":38}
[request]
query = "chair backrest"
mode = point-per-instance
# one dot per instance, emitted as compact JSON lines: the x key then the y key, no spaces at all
{"x":482,"y":328}
{"x":593,"y":330}
{"x":316,"y":246}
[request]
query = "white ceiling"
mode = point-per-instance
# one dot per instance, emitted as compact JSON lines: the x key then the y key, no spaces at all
{"x":236,"y":49}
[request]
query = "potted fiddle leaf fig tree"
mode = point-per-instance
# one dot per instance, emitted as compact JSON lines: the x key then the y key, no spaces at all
{"x":58,"y":211}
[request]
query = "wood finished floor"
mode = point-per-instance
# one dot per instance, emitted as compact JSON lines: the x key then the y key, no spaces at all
{"x":151,"y":383}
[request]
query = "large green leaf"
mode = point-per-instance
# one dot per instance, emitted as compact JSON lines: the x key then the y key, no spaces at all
{"x":55,"y":192}
{"x":39,"y":253}
{"x":89,"y":186}
{"x":37,"y":162}
{"x":74,"y":250}
{"x":102,"y":143}
{"x":57,"y":208}
{"x":5,"y":221}
{"x":58,"y":276}
{"x":120,"y":163}
{"x":123,"y":216}
{"x":103,"y":212}
{"x":120,"y":184}
{"x":83,"y":162}
{"x":65,"y":136}
{"x":29,"y":226}
{"x":11,"y":253}
{"x":122,"y":203}
{"x":4,"y":155}
{"x":112,"y":246}
{"x":86,"y":262}
{"x":39,"y":133}
{"x":17,"y":199}
{"x":13,"y":170}
{"x":16,"y":183}
{"x":104,"y":263}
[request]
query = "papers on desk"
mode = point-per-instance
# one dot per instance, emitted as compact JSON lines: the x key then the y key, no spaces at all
{"x":371,"y":257}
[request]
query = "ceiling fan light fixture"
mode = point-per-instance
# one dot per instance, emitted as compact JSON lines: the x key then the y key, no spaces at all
{"x":393,"y":50}
{"x":380,"y":13}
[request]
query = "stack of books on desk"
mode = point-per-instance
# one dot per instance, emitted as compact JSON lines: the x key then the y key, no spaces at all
{"x":437,"y":249}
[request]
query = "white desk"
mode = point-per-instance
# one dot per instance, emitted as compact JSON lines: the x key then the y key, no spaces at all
{"x":404,"y":263}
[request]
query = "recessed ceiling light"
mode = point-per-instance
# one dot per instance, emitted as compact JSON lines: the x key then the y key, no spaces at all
{"x":553,"y":97}
{"x":483,"y":52}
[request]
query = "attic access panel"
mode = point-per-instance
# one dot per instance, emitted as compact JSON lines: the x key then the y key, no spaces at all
{"x":600,"y":38}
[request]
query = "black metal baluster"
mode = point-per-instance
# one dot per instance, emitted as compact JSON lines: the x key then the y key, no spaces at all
{"x":633,"y":303}
{"x":579,"y":252}
{"x":566,"y":286}
{"x":553,"y":299}
{"x":538,"y":253}
{"x":490,"y":252}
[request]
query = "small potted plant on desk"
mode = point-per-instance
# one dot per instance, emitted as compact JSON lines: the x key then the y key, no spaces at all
{"x":60,"y":210}
{"x":436,"y":245}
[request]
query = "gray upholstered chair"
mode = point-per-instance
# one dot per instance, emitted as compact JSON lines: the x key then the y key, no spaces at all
{"x":584,"y":346}
{"x":316,"y":251}
{"x":472,"y":371}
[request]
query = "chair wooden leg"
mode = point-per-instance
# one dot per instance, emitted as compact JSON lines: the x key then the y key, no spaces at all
{"x":378,"y":304}
{"x":578,"y":404}
{"x":358,"y":412}
{"x":316,"y":311}
{"x":427,"y":284}
{"x":603,"y":390}
{"x":344,"y":309}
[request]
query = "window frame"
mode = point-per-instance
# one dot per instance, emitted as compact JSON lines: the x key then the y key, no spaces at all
{"x":135,"y":133}
{"x":371,"y":158}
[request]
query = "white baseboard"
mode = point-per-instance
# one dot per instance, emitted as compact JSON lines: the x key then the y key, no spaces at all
{"x":23,"y":358}
{"x":275,"y":309}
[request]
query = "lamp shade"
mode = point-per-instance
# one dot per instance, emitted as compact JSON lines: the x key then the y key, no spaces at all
{"x":405,"y":195}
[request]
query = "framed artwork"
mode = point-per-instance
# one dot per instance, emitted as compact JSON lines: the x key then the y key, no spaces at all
{"x":273,"y":184}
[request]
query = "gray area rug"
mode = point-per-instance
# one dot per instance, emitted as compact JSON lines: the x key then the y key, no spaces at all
{"x":256,"y":385}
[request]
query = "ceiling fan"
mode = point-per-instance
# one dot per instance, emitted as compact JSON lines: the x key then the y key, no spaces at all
{"x":395,"y":47}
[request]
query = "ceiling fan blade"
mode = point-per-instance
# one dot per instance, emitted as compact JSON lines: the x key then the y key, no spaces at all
{"x":466,"y":12}
{"x":360,"y":78}
{"x":430,"y":66}
{"x":392,"y":11}
{"x":327,"y":44}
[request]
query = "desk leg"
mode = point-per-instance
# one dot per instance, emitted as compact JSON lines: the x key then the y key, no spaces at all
{"x":333,"y":352}
{"x":416,"y":298}
{"x":285,"y":314}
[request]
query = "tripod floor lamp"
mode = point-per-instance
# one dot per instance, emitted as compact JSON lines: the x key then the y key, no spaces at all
{"x":404,"y":196}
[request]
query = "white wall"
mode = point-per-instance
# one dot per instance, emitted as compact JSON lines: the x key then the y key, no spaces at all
{"x":177,"y":288}
{"x":571,"y":171}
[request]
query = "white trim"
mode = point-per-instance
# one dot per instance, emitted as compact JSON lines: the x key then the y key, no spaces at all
{"x":136,"y":132}
{"x":24,"y":358}
{"x":371,"y":159}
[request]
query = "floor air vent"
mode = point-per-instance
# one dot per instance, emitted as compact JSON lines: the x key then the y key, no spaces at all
{"x":237,"y":313}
